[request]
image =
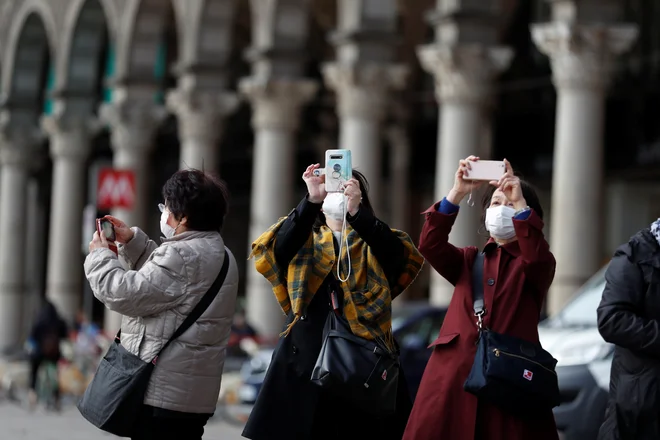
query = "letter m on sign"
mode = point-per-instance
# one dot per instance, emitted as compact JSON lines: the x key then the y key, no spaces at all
{"x":116,"y":189}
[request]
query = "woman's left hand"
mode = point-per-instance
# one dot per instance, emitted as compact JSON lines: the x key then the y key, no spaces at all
{"x":98,"y":242}
{"x":353,"y":196}
{"x":509,"y":184}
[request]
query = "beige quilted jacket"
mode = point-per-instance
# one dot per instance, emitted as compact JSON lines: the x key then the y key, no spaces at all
{"x":159,"y":290}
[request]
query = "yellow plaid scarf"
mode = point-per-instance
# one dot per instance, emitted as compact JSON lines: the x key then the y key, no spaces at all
{"x":367,"y":293}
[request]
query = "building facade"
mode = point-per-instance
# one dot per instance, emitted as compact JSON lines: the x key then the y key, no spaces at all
{"x":255,"y":90}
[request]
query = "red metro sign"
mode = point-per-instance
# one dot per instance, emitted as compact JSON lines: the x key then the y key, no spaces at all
{"x":116,"y":189}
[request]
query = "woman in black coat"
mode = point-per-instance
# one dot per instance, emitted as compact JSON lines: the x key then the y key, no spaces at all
{"x":289,"y":406}
{"x":629,"y":317}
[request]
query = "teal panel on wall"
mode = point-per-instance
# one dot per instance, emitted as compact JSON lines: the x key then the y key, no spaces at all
{"x":109,"y":73}
{"x":50,"y":84}
{"x":160,"y":71}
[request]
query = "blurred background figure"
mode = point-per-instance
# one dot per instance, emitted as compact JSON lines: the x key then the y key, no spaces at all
{"x":44,"y":345}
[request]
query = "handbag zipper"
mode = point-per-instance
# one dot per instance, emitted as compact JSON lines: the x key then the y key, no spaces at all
{"x":497,"y":352}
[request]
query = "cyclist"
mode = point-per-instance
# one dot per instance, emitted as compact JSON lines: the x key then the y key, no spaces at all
{"x":45,"y":337}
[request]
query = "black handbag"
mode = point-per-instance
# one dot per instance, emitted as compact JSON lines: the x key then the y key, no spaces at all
{"x":516,"y":375}
{"x":359,"y":370}
{"x":114,"y":397}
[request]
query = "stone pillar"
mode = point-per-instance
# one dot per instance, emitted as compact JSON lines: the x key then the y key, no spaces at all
{"x":399,"y":184}
{"x":464,"y":76}
{"x":18,"y":153}
{"x":200,"y":115}
{"x":276,"y":114}
{"x":582,"y":58}
{"x":70,"y":147}
{"x":362,"y":104}
{"x":133,"y":124}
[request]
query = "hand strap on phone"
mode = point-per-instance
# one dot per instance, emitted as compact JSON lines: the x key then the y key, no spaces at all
{"x":344,"y":239}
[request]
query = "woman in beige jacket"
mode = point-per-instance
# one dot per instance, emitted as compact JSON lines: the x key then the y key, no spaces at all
{"x":160,"y":288}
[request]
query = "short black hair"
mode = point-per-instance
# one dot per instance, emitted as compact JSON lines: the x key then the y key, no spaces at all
{"x":529,"y":193}
{"x":364,"y":204}
{"x":201,"y":197}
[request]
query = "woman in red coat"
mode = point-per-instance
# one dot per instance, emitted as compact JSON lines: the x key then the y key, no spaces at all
{"x":518,"y":270}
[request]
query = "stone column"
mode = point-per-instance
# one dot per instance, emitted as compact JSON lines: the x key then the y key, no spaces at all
{"x":464,"y":76}
{"x":582,"y":58}
{"x":70,"y":146}
{"x":276,"y":115}
{"x":200,"y":115}
{"x":362,"y":103}
{"x":399,"y":186}
{"x":133,"y":125}
{"x":18,"y":153}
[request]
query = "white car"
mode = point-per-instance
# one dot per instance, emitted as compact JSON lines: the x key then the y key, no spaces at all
{"x":584,"y":361}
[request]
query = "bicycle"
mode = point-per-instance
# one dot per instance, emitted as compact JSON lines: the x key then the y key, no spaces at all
{"x":48,"y":385}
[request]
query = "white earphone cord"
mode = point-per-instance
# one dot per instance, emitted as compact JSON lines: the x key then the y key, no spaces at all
{"x":344,"y":238}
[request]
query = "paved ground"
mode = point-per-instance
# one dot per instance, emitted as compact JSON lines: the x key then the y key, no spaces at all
{"x":17,"y":423}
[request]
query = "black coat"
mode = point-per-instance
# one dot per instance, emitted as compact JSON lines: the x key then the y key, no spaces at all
{"x":289,"y":406}
{"x":47,"y":332}
{"x":629,"y":317}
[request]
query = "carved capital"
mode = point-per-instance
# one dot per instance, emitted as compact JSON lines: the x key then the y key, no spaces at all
{"x":19,"y":142}
{"x":133,"y":123}
{"x":583,"y":56}
{"x":363,"y":90}
{"x":464,"y":73}
{"x":70,"y":136}
{"x":277,"y":103}
{"x":200,"y":112}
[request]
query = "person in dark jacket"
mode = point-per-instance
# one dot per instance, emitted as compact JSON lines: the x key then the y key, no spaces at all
{"x":45,"y":336}
{"x":289,"y":405}
{"x":629,"y":317}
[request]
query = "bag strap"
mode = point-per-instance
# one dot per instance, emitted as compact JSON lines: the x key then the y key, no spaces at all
{"x":478,"y":288}
{"x":201,"y":306}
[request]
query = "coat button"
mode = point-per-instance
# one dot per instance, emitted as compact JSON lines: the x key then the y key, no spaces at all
{"x":295,"y":350}
{"x":491,"y":282}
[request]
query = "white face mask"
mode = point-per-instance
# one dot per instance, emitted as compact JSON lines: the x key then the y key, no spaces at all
{"x":167,"y":230}
{"x":499,"y":222}
{"x":333,"y":206}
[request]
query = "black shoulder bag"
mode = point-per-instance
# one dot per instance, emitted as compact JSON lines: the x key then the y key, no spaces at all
{"x":360,"y":370}
{"x":513,"y":374}
{"x":113,"y":399}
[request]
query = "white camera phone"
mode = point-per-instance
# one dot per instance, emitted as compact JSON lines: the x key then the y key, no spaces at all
{"x":487,"y":170}
{"x":338,"y":169}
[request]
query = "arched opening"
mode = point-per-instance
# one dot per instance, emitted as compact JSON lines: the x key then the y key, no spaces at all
{"x":31,"y":67}
{"x":24,"y":101}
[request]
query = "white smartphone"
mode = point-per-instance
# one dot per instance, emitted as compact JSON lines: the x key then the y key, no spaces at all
{"x":486,"y":170}
{"x":338,"y":169}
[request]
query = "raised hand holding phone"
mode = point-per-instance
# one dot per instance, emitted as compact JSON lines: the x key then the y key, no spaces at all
{"x":315,"y":183}
{"x":123,"y":234}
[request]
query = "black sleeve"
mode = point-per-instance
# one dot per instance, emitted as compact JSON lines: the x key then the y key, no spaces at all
{"x":620,"y":318}
{"x":64,"y":331}
{"x":385,"y":245}
{"x":295,"y":231}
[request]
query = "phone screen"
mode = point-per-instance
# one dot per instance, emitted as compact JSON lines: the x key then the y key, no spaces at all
{"x":108,"y":230}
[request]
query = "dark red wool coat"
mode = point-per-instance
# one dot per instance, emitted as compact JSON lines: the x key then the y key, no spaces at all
{"x":516,"y":280}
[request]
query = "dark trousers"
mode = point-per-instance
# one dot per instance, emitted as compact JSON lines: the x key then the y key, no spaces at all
{"x":35,"y":363}
{"x":155,"y":424}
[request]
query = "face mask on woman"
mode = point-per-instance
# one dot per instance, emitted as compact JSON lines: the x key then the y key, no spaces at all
{"x":333,"y":206}
{"x":499,"y":222}
{"x":167,"y":230}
